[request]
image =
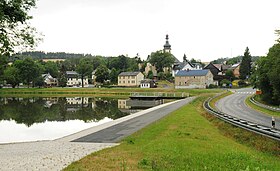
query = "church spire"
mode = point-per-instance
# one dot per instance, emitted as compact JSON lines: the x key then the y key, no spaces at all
{"x":167,"y":46}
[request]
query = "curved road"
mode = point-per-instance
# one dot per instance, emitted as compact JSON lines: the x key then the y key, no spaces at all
{"x":234,"y":105}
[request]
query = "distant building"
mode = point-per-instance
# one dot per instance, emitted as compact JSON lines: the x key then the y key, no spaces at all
{"x":130,"y":79}
{"x":217,"y":71}
{"x":49,"y":81}
{"x":73,"y":79}
{"x":235,"y":69}
{"x":53,"y":60}
{"x":147,"y":83}
{"x":185,"y":65}
{"x":193,"y":79}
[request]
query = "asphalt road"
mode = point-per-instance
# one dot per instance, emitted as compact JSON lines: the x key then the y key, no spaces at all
{"x":235,"y":105}
{"x":119,"y":131}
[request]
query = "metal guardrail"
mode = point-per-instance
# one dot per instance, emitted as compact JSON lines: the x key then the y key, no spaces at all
{"x":276,"y":109}
{"x":160,"y":94}
{"x":248,"y":125}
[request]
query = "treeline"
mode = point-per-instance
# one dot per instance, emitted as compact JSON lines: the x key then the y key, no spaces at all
{"x":49,"y":55}
{"x":29,"y":71}
{"x":233,"y":60}
{"x":266,"y":74}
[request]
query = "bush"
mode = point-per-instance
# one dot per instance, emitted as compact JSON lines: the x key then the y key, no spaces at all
{"x":242,"y":83}
{"x":225,"y":82}
{"x":212,"y":86}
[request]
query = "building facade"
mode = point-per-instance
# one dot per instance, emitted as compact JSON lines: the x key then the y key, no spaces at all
{"x":193,"y":79}
{"x":147,"y":83}
{"x":130,"y":79}
{"x":73,"y":79}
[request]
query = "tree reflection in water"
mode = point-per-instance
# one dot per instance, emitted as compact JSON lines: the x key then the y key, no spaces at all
{"x":39,"y":109}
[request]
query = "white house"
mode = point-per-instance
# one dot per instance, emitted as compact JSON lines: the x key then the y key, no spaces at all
{"x":49,"y":81}
{"x":73,"y":79}
{"x":147,"y":83}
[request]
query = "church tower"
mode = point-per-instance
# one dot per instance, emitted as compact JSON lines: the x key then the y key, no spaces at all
{"x":167,"y":46}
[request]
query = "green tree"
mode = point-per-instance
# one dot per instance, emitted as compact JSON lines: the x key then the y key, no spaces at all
{"x":15,"y":30}
{"x":3,"y":65}
{"x":102,"y":74}
{"x":151,"y":75}
{"x":266,"y":74}
{"x":84,"y":68}
{"x":114,"y":76}
{"x":230,"y":75}
{"x":245,"y":66}
{"x":62,"y":80}
{"x":97,"y":61}
{"x":161,"y":60}
{"x":11,"y":75}
{"x":28,"y":70}
{"x":39,"y":81}
{"x":52,"y":68}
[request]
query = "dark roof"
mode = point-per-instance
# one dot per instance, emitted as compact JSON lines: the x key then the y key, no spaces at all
{"x":129,"y":73}
{"x":192,"y":72}
{"x":146,"y":81}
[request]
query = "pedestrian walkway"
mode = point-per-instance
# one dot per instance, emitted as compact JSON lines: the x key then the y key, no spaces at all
{"x":57,"y":154}
{"x":249,"y":92}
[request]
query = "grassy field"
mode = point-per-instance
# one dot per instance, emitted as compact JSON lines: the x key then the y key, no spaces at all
{"x":187,"y":139}
{"x":95,"y":91}
{"x":261,"y":109}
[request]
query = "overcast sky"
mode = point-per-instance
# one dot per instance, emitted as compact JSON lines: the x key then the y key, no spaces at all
{"x":202,"y":29}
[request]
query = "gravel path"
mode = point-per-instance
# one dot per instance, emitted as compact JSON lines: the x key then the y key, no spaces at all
{"x":57,"y":154}
{"x":45,"y":155}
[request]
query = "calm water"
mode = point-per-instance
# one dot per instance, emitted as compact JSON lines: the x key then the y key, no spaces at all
{"x":32,"y":119}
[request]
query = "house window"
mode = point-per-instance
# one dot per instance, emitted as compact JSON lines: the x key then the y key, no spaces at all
{"x":132,"y":81}
{"x":123,"y":81}
{"x":128,"y":82}
{"x":120,"y":82}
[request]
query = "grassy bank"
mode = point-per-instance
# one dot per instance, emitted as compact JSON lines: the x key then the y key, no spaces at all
{"x":187,"y":139}
{"x":261,"y":109}
{"x":95,"y":91}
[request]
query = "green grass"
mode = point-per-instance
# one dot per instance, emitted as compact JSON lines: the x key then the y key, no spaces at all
{"x":261,"y":109}
{"x":95,"y":91}
{"x":187,"y":139}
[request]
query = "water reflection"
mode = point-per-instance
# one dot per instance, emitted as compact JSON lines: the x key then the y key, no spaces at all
{"x":48,"y":118}
{"x":38,"y":110}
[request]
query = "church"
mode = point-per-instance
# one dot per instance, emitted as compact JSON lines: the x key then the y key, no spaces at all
{"x":177,"y":65}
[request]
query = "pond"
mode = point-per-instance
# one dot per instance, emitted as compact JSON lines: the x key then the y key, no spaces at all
{"x":49,"y":118}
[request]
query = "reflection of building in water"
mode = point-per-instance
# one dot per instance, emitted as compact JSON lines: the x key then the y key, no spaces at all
{"x":122,"y":104}
{"x":50,"y":101}
{"x":133,"y":106}
{"x":75,"y":103}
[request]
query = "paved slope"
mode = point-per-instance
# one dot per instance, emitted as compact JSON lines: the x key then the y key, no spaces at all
{"x":117,"y":132}
{"x":235,"y":106}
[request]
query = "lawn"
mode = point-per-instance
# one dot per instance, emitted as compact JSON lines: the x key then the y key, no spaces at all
{"x":261,"y":109}
{"x":187,"y":139}
{"x":96,"y":91}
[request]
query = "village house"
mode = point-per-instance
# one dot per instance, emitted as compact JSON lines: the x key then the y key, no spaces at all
{"x":130,"y":79}
{"x":49,"y":81}
{"x":147,"y":83}
{"x":73,"y":79}
{"x":193,"y":79}
{"x":235,"y":69}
